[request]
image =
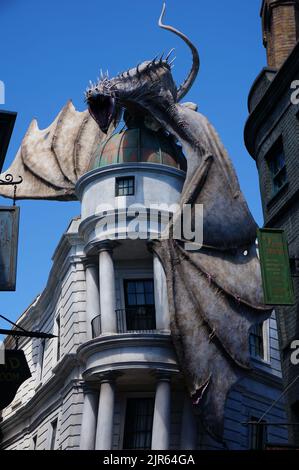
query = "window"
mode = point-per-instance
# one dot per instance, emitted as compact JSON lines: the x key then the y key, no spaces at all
{"x":58,"y":337}
{"x":42,"y":356}
{"x":125,"y":186}
{"x":256,"y":341}
{"x":53,"y":434}
{"x":140,"y":304}
{"x":258,"y":434}
{"x":138,"y":423}
{"x":277,"y":165}
{"x":33,"y":442}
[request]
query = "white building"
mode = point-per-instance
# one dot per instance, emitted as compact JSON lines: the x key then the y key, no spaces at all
{"x":111,"y":379}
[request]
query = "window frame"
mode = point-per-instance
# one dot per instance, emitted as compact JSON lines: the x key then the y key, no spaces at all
{"x":254,"y":433}
{"x":123,"y":404}
{"x":272,"y":156}
{"x":33,"y":445}
{"x":57,"y":343}
{"x":118,"y":179}
{"x":41,"y":361}
{"x":58,"y":332}
{"x":265,"y":336}
{"x":53,"y":434}
{"x":150,"y":306}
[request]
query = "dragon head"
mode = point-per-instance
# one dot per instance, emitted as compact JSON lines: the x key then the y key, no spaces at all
{"x":138,"y":88}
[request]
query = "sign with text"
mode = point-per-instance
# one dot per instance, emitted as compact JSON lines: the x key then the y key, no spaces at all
{"x":9,"y":231}
{"x":13,"y":373}
{"x":275,"y":267}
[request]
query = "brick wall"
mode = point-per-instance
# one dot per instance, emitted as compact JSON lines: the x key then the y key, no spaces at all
{"x":280,"y":22}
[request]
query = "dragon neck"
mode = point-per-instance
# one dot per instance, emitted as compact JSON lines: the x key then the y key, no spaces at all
{"x":180,"y":121}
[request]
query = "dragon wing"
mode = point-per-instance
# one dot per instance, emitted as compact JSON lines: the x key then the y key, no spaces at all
{"x":215,"y":294}
{"x":51,"y":160}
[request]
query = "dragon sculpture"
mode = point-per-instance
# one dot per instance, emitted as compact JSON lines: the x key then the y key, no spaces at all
{"x":214,"y":293}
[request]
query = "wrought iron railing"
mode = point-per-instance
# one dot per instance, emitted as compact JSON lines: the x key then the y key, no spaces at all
{"x":139,"y":318}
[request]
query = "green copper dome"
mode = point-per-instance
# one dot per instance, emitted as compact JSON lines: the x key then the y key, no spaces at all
{"x":142,"y":145}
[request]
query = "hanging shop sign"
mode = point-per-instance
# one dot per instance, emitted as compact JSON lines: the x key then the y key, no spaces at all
{"x":9,"y":231}
{"x":275,"y":267}
{"x":13,"y":373}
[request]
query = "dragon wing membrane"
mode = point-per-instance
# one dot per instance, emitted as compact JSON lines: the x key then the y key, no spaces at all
{"x":214,"y":294}
{"x":51,"y":160}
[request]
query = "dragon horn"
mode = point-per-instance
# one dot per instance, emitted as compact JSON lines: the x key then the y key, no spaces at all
{"x":188,"y":82}
{"x":169,"y":54}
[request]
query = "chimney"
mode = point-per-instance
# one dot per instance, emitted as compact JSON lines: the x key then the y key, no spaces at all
{"x":280,"y":21}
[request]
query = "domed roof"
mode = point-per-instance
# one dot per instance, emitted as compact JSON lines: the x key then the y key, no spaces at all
{"x":139,"y":145}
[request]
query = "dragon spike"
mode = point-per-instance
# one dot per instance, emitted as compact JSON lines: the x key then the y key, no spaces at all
{"x":90,"y":84}
{"x":155,"y":58}
{"x":169,"y":54}
{"x":107,"y":73}
{"x":171,"y":62}
{"x":101,"y":74}
{"x":137,"y":69}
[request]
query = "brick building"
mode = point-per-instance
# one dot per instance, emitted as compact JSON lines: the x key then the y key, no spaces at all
{"x":272,"y":139}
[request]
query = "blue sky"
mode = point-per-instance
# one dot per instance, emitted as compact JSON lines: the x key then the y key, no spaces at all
{"x":49,"y":52}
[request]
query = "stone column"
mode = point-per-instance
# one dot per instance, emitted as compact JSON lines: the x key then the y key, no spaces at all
{"x":89,"y":418}
{"x":161,"y":422}
{"x":189,"y":428}
{"x":107,"y":288}
{"x":105,"y":415}
{"x":161,"y":300}
{"x":92,"y":293}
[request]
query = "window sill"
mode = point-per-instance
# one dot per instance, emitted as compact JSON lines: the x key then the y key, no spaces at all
{"x":15,"y":405}
{"x":260,"y":360}
{"x":278,"y":193}
{"x":40,"y":384}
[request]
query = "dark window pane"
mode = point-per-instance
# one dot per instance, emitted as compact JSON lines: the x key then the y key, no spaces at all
{"x":149,"y":299}
{"x":258,"y":434}
{"x":53,"y":435}
{"x":125,"y":186}
{"x":140,"y":308}
{"x":256,"y":341}
{"x":140,"y":286}
{"x":58,"y":338}
{"x":148,"y":286}
{"x":277,"y":165}
{"x":131,"y":299}
{"x":138,"y":423}
{"x":131,"y":287}
{"x":140,"y":299}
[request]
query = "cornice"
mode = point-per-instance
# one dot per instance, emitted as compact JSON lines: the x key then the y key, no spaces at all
{"x":120,"y":168}
{"x":275,"y":91}
{"x":106,"y":342}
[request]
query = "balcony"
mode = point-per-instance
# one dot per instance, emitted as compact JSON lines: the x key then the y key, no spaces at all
{"x":134,"y":319}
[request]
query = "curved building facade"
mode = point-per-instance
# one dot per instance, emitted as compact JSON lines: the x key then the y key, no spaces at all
{"x":111,"y":379}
